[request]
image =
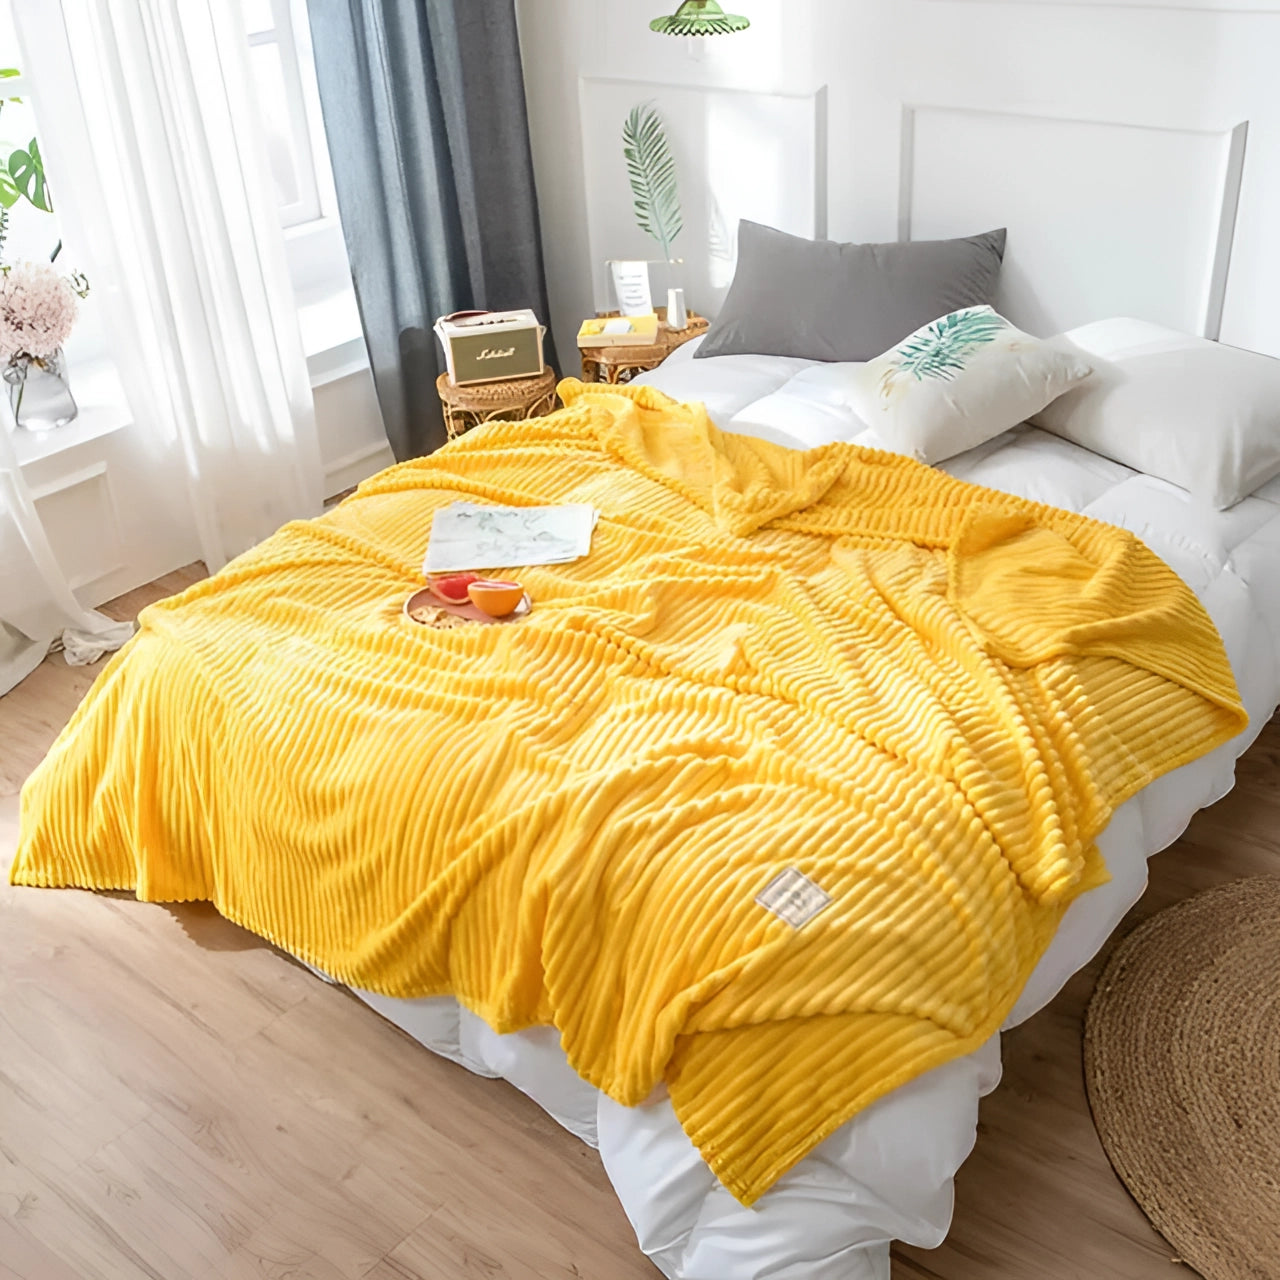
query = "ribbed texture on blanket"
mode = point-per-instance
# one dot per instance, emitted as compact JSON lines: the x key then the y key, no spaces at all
{"x":926,"y":697}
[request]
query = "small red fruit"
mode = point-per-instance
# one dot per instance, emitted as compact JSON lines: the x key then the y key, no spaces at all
{"x":453,"y":588}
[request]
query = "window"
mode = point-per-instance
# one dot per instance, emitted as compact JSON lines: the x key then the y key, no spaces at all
{"x":288,"y":100}
{"x":278,"y":88}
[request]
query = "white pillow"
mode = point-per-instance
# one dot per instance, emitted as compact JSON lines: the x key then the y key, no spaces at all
{"x":957,"y":382}
{"x":1202,"y":416}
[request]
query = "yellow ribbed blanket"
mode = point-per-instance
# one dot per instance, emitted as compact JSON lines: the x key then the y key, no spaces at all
{"x":924,"y":696}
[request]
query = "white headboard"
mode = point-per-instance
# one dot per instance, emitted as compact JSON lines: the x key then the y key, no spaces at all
{"x":1105,"y":218}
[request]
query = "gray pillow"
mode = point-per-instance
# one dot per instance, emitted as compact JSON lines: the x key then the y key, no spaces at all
{"x":821,"y":300}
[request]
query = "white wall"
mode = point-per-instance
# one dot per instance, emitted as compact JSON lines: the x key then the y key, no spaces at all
{"x":1105,"y":135}
{"x":563,"y":41}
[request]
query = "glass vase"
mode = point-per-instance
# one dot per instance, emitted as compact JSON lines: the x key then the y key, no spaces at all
{"x":39,"y":393}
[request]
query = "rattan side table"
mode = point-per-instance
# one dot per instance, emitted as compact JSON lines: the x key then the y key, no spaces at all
{"x":622,"y":363}
{"x":512,"y":400}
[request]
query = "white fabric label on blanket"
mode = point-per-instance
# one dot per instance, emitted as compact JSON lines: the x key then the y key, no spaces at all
{"x":793,"y":897}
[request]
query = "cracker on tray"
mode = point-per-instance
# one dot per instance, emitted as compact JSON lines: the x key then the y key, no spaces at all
{"x":433,"y":616}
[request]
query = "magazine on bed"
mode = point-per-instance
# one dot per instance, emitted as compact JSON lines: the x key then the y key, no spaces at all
{"x":465,"y":535}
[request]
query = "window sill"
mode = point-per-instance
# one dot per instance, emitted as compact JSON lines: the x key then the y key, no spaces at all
{"x":332,"y":337}
{"x":103,"y":409}
{"x":332,"y":340}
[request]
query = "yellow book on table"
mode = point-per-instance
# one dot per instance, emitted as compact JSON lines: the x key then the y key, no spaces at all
{"x":619,"y":331}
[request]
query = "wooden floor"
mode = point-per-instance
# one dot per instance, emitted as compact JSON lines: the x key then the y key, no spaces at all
{"x":178,"y":1100}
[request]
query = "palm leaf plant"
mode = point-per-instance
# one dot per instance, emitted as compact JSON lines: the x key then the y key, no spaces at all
{"x":651,"y":170}
{"x":940,"y":350}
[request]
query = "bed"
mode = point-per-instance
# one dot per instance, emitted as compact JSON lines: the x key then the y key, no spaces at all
{"x":887,"y":1173}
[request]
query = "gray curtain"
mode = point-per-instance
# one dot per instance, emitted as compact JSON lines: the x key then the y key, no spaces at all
{"x":424,"y":109}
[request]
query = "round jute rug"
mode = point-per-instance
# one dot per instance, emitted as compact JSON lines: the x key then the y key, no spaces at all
{"x":1182,"y":1063}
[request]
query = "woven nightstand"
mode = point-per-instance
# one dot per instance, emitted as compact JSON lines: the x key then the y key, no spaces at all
{"x":621,"y":364}
{"x":509,"y":401}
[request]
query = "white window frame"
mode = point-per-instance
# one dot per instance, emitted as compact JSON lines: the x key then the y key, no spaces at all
{"x":282,"y":33}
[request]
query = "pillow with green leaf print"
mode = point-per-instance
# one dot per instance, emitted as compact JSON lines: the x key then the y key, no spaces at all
{"x":957,"y":382}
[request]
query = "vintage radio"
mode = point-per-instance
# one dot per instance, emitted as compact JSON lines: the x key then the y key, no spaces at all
{"x":488,"y":346}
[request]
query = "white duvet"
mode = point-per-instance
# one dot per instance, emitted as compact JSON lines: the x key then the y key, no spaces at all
{"x":887,"y":1174}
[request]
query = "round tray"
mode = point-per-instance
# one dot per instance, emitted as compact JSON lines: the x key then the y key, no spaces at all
{"x":424,"y":596}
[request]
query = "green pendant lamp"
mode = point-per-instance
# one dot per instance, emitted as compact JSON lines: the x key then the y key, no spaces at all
{"x":700,"y":18}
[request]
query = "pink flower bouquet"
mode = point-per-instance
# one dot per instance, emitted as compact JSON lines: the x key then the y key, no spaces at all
{"x":37,"y":310}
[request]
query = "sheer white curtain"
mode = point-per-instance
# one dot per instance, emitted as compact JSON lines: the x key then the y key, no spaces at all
{"x":147,"y":116}
{"x":36,"y":605}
